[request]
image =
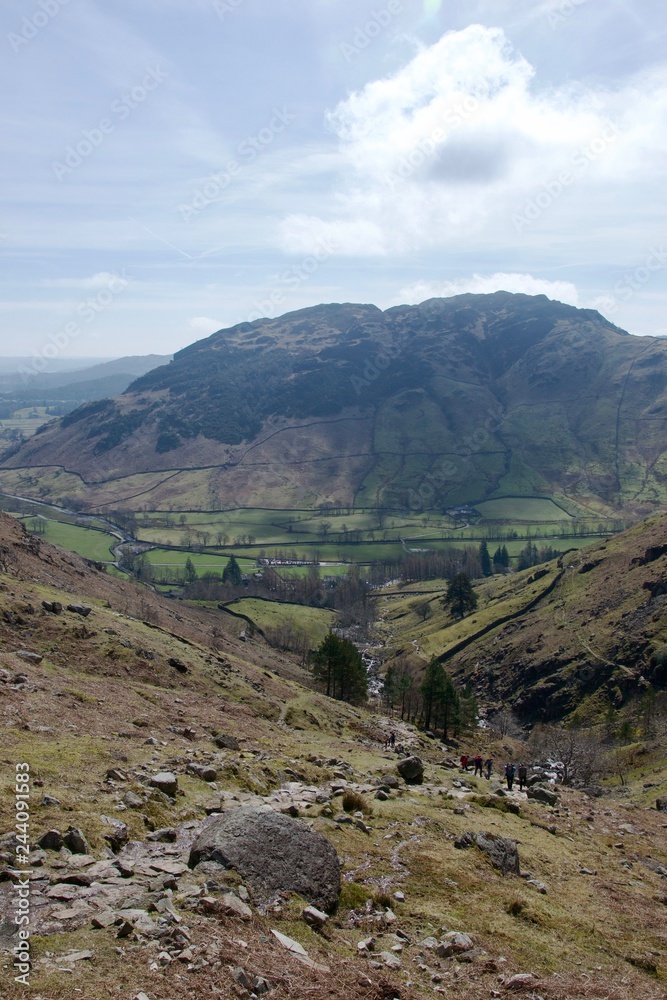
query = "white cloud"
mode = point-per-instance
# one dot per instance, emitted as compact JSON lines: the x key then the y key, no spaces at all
{"x":203,"y":324}
{"x":458,"y":143}
{"x":562,"y":291}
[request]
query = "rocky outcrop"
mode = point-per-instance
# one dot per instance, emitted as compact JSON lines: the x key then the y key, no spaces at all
{"x":503,"y":852}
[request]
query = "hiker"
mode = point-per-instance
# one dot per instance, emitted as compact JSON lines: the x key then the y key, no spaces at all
{"x":523,"y":776}
{"x":392,"y":739}
{"x":464,"y":762}
{"x":509,"y":775}
{"x":477,"y":761}
{"x":488,"y":764}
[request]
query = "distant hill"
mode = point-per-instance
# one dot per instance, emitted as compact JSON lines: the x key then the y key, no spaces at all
{"x":129,"y":367}
{"x":422,"y":407}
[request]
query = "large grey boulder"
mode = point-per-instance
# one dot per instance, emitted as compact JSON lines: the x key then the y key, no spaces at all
{"x":503,"y":852}
{"x":411,"y":770}
{"x":543,"y":793}
{"x":273,"y":853}
{"x":165,"y":782}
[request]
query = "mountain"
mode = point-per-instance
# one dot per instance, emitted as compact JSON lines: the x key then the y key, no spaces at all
{"x":452,"y":401}
{"x":105,"y":686}
{"x":572,"y":638}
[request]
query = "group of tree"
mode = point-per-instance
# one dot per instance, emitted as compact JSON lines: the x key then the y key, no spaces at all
{"x":428,"y":696}
{"x":339,"y":669}
{"x":530,"y":555}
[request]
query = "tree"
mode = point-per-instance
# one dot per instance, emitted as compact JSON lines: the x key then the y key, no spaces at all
{"x":460,"y":598}
{"x":485,"y":558}
{"x":432,"y":688}
{"x":232,"y":573}
{"x":501,"y":557}
{"x":440,"y":700}
{"x":423,"y":610}
{"x":338,"y":666}
{"x":576,"y":753}
{"x":190,"y":571}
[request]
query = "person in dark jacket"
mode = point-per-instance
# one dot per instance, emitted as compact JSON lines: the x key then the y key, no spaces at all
{"x":523,"y":776}
{"x":509,"y":775}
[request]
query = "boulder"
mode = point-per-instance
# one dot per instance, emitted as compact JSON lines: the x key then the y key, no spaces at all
{"x":503,"y":852}
{"x":411,"y":770}
{"x":55,"y":607}
{"x":661,"y":804}
{"x":454,"y":943}
{"x":273,"y":853}
{"x":75,"y":841}
{"x":543,"y":793}
{"x":226,"y":742}
{"x":389,"y":780}
{"x":25,"y":654}
{"x":79,"y":609}
{"x":165,"y":782}
{"x":52,"y":840}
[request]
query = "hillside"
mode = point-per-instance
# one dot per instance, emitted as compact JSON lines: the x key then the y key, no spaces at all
{"x":97,"y":709}
{"x":576,"y":635}
{"x":417,"y":407}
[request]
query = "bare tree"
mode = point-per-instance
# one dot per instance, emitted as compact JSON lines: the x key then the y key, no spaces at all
{"x":574,"y":752}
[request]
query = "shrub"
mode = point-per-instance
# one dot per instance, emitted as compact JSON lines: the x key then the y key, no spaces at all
{"x":353,"y":802}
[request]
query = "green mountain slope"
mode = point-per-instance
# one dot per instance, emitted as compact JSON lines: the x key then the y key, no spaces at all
{"x":574,"y":637}
{"x":418,"y":407}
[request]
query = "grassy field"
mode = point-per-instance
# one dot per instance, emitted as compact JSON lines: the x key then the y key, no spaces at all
{"x":27,"y":420}
{"x":530,"y":509}
{"x":316,"y":622}
{"x":91,"y":543}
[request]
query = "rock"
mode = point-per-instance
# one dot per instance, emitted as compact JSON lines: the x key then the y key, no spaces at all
{"x":430,"y":943}
{"x":132,"y":800}
{"x":75,"y":841}
{"x":521,"y":981}
{"x":52,"y":840}
{"x":25,"y":654}
{"x":411,"y":770}
{"x":166,"y":835}
{"x":454,"y":943}
{"x":226,"y":742}
{"x":260,"y":986}
{"x":177,"y":665}
{"x":165,"y":782}
{"x":314,"y":917}
{"x":661,"y":804}
{"x":115,"y":774}
{"x":75,"y":956}
{"x":390,"y":780}
{"x":141,"y":996}
{"x":381,"y":795}
{"x":543,"y":793}
{"x":241,"y":977}
{"x":391,"y":960}
{"x":367,"y":944}
{"x":272,"y":853}
{"x":540,"y":886}
{"x":79,"y":609}
{"x":206,"y":773}
{"x":399,"y":896}
{"x":49,"y":800}
{"x":104,"y":919}
{"x":503,"y":852}
{"x":231,"y":906}
{"x":53,"y":606}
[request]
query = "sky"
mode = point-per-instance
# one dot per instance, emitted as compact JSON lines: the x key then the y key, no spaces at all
{"x":173,"y":167}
